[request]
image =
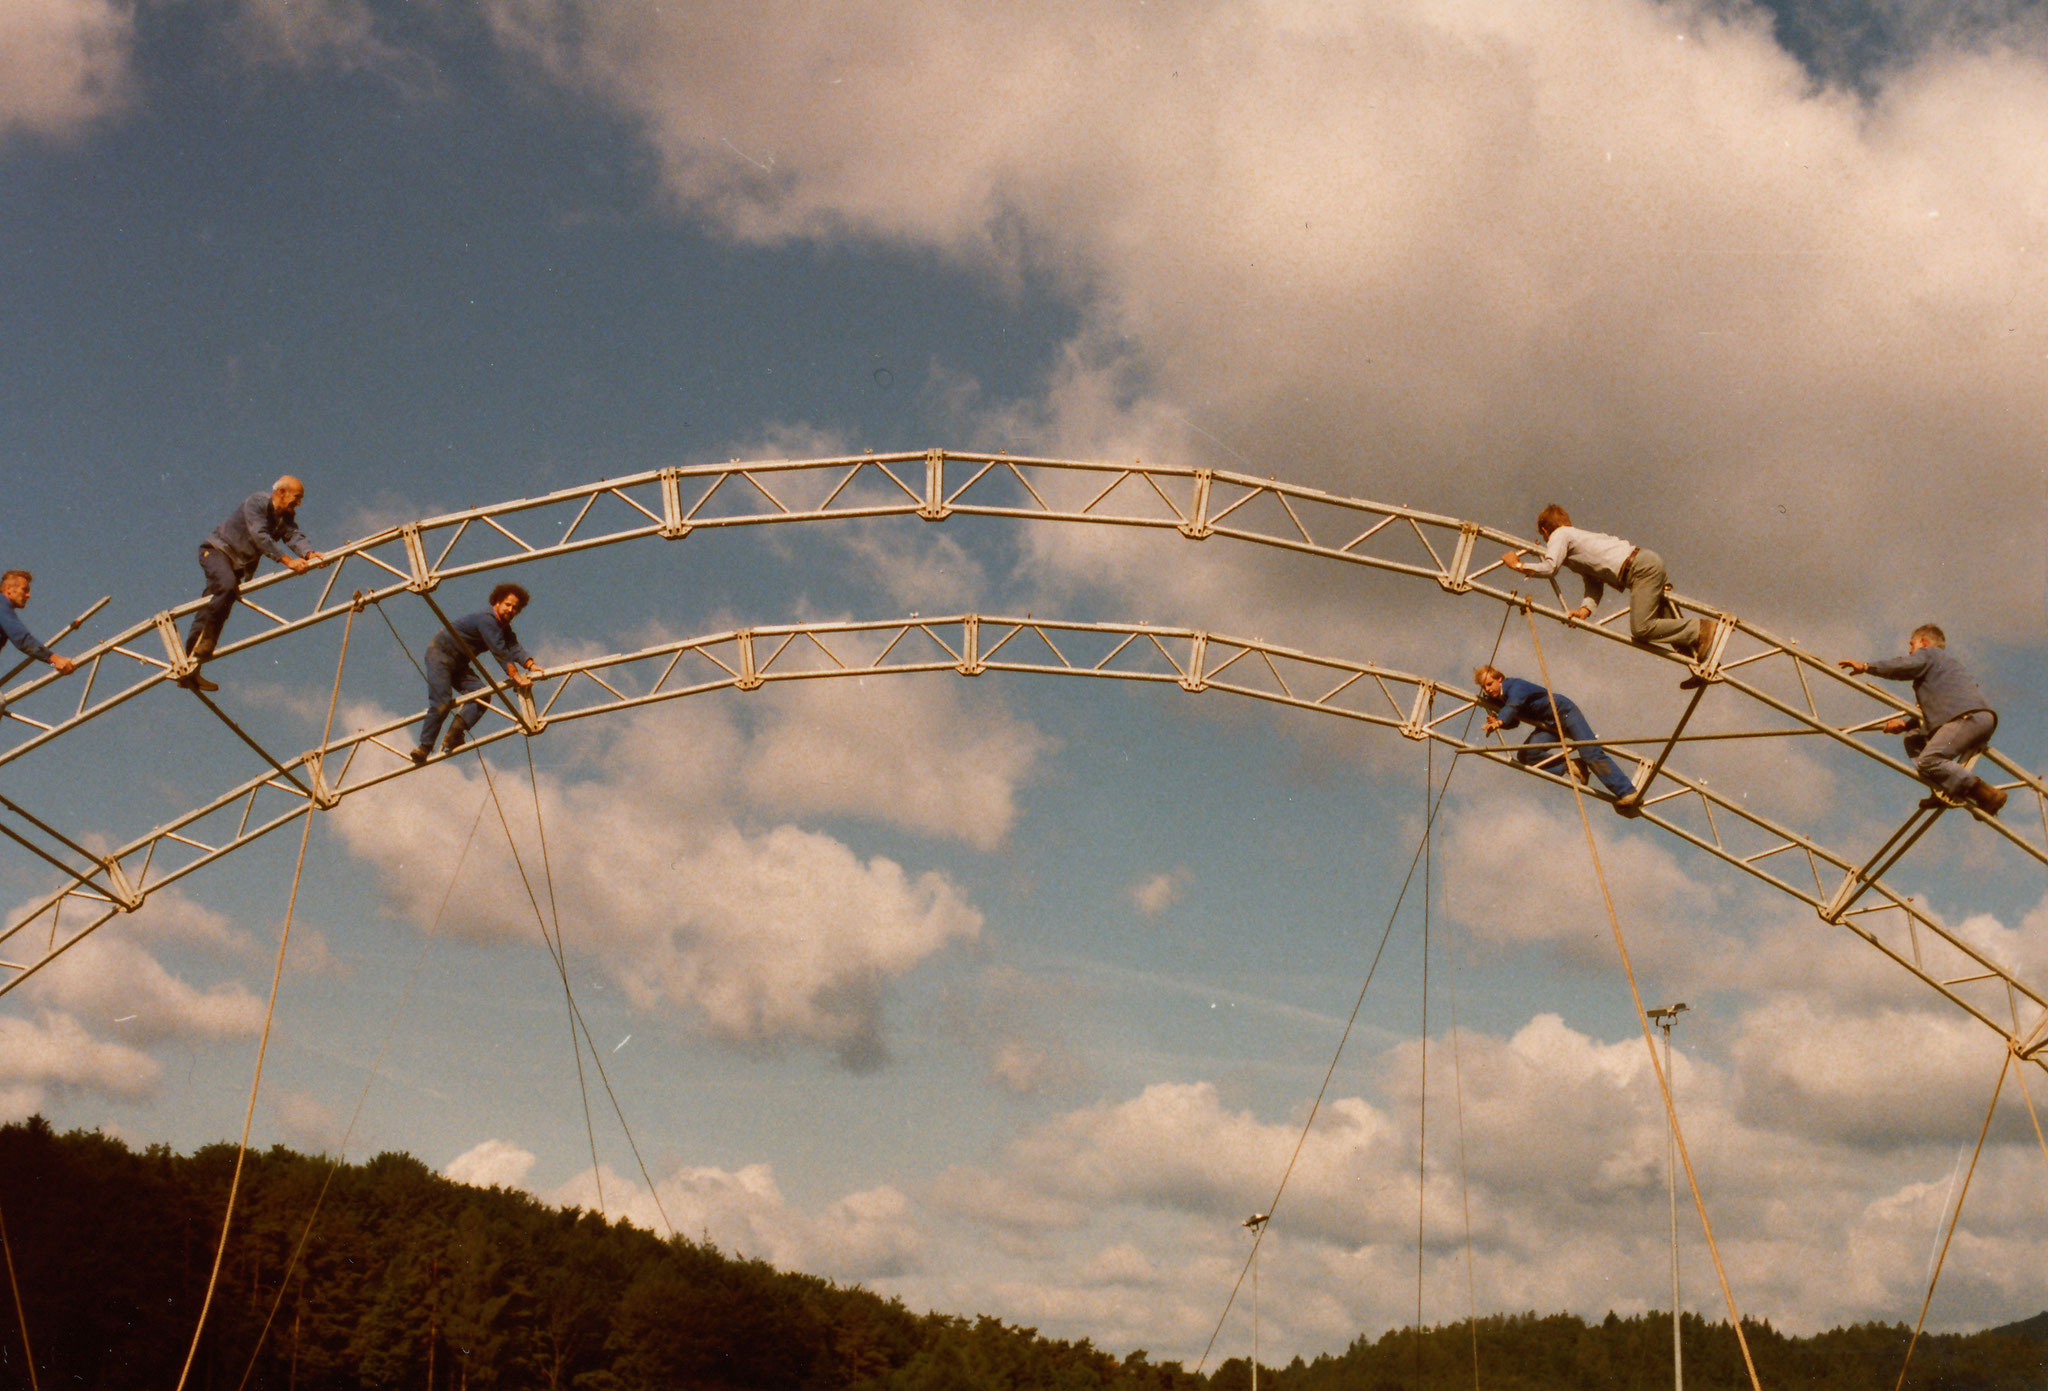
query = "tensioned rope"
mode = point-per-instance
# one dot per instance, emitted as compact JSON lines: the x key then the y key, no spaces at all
{"x":2004,"y":1066}
{"x":575,"y":1049}
{"x":269,"y":1016}
{"x":376,"y":1069}
{"x":603,"y":1076}
{"x":577,"y":1020}
{"x":575,"y":1013}
{"x":1422,"y":1066}
{"x":1464,"y":1185}
{"x":1259,"y":1236}
{"x":1643,"y":1022}
{"x":569,"y":999}
{"x":2039,"y":1139}
{"x":27,"y":1352}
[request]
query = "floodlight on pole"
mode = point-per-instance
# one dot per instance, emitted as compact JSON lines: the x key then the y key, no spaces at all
{"x":1256,"y":1225}
{"x":1663,"y":1018}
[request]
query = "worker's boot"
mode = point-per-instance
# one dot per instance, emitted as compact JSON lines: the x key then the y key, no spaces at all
{"x":201,"y":650}
{"x":453,"y":739}
{"x":1991,"y":799}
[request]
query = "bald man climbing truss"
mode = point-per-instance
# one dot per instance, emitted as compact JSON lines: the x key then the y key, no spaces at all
{"x":265,"y":524}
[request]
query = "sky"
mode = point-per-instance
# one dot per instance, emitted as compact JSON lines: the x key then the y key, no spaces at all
{"x":1013,"y":996}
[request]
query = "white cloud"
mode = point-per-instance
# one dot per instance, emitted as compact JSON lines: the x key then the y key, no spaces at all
{"x":1561,"y":1165}
{"x":772,"y":934}
{"x":1469,"y":256}
{"x":861,"y":1236}
{"x":54,"y":1053}
{"x":919,"y":753}
{"x":491,"y":1164}
{"x":109,"y":977}
{"x":63,"y":64}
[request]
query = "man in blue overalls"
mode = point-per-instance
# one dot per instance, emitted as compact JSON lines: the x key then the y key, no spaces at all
{"x":265,"y":524}
{"x":1511,"y":701}
{"x":451,"y":667}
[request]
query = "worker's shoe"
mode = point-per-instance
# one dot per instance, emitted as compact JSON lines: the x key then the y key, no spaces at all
{"x":193,"y":681}
{"x":421,"y":754}
{"x":1990,"y":799}
{"x":1630,"y":805}
{"x":1934,"y":801}
{"x":453,"y":739}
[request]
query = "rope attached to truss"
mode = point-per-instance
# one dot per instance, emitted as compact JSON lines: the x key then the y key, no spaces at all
{"x":284,"y":939}
{"x":555,"y":952}
{"x":376,"y":1069}
{"x":1956,"y":1217}
{"x":1464,"y":1186}
{"x":1259,"y":1236}
{"x":575,"y":1013}
{"x":1642,"y":1022}
{"x":1422,"y":1063}
{"x":28,"y":1353}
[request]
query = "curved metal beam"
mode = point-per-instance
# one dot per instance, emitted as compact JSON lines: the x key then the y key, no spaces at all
{"x":970,"y":645}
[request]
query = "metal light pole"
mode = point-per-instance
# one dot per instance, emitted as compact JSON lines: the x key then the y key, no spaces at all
{"x":1663,"y":1019}
{"x":1256,"y":1224}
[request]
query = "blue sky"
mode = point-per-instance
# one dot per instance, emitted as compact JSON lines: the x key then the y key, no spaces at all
{"x":1762,"y":289}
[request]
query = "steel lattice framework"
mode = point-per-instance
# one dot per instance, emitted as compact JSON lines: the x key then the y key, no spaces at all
{"x":1807,"y":695}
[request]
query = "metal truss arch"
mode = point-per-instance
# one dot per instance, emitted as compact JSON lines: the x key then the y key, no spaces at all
{"x":1189,"y":660}
{"x":1808,"y":694}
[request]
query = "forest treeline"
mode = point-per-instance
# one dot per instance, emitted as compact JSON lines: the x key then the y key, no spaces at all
{"x":411,"y":1280}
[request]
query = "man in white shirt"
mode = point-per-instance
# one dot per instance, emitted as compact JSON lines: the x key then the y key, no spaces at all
{"x":1601,"y":560}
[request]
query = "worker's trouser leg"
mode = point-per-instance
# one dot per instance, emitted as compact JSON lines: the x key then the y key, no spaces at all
{"x":1938,"y":757}
{"x":1651,"y":618}
{"x":223,"y":587}
{"x":444,"y":683}
{"x":1542,"y":747}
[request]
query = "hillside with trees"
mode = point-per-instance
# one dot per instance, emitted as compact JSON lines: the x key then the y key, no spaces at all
{"x":408,"y":1279}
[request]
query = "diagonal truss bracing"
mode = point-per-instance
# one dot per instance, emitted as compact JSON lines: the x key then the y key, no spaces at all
{"x":970,"y":645}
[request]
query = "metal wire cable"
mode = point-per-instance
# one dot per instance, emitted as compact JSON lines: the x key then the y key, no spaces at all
{"x":1315,"y":1107}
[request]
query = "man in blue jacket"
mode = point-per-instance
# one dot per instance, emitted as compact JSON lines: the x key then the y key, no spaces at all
{"x":1955,"y":721}
{"x":265,"y":524}
{"x":1511,"y":701}
{"x":451,"y":667}
{"x":14,"y":592}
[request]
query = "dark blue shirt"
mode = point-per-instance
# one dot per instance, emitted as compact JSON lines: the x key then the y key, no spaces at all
{"x":256,"y":529}
{"x":1525,"y":700}
{"x":481,"y":632}
{"x":12,"y":631}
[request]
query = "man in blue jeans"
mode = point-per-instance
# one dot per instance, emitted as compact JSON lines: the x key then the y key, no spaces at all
{"x":451,"y":667}
{"x":265,"y":524}
{"x":1511,"y":701}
